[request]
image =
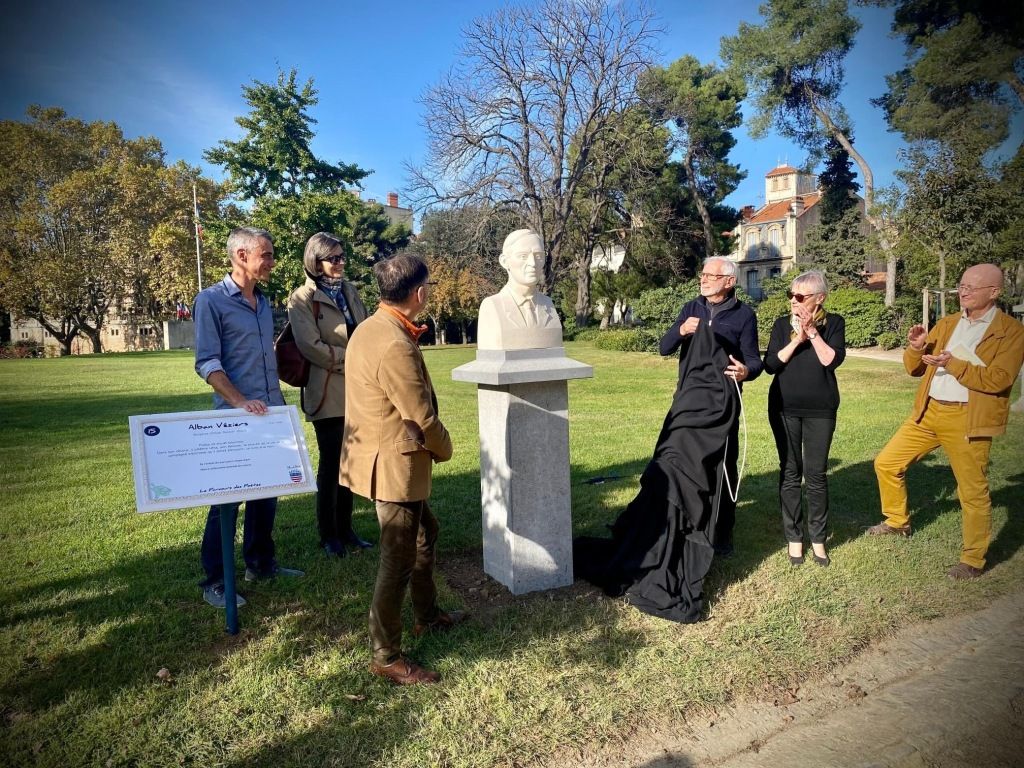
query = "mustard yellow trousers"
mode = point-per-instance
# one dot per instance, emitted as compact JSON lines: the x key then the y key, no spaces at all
{"x":942,"y":425}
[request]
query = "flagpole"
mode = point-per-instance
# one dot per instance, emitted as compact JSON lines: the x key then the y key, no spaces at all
{"x":199,"y":258}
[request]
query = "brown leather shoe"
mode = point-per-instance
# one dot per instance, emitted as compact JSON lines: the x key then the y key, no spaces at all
{"x":884,"y":529}
{"x":443,"y":622}
{"x":964,"y":572}
{"x":403,"y":671}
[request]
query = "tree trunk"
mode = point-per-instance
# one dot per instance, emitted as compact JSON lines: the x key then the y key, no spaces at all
{"x":702,"y":208}
{"x":583,"y":280}
{"x":94,"y":337}
{"x":869,"y":197}
{"x":65,"y":346}
{"x":942,"y":283}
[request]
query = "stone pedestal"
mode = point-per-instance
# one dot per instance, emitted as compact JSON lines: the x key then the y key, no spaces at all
{"x":523,"y":403}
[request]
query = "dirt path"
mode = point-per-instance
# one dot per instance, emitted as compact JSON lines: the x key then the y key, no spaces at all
{"x":945,"y":694}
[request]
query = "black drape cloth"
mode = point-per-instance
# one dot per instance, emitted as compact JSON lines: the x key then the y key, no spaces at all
{"x":661,"y":546}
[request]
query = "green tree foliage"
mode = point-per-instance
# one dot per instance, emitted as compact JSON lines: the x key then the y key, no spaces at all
{"x":293,"y":193}
{"x":840,"y":249}
{"x":626,"y":160}
{"x":953,"y":212}
{"x":793,"y":65}
{"x":963,"y":79}
{"x":838,"y":183}
{"x":91,"y":222}
{"x":701,"y":105}
{"x":274,"y":157}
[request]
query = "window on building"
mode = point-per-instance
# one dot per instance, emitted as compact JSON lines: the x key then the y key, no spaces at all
{"x":24,"y":334}
{"x":775,"y":184}
{"x":773,"y":237}
{"x":776,"y":271}
{"x":753,"y":285}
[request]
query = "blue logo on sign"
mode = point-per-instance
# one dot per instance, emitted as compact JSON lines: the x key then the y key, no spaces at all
{"x":152,"y":430}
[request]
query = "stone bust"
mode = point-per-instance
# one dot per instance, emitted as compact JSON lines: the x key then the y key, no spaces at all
{"x":519,"y":316}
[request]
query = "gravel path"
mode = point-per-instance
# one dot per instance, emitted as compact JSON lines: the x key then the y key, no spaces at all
{"x":944,"y":694}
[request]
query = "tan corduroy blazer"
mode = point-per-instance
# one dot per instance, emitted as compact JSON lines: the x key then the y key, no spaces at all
{"x":323,"y":341}
{"x":988,"y":386}
{"x":392,"y":430}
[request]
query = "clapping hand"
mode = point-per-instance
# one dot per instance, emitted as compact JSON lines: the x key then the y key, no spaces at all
{"x":916,"y":337}
{"x":938,"y":360}
{"x":689,"y":326}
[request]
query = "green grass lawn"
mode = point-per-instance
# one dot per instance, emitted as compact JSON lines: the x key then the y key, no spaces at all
{"x":95,"y":598}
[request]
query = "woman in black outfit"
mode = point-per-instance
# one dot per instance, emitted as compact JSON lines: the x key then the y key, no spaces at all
{"x":804,"y":351}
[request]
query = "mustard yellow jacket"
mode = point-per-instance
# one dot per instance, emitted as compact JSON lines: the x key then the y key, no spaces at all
{"x":988,"y":386}
{"x":392,"y":431}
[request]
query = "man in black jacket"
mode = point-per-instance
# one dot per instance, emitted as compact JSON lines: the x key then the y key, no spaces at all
{"x":734,"y":326}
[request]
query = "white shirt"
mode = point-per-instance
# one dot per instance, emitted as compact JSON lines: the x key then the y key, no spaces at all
{"x":968,"y":333}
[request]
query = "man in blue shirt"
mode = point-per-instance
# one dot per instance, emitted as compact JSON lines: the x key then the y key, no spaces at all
{"x":235,"y":355}
{"x":734,"y":326}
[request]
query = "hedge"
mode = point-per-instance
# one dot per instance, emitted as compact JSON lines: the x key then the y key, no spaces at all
{"x":867,"y":317}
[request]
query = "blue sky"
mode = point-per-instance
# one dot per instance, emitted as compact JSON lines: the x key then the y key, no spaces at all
{"x":175,"y":71}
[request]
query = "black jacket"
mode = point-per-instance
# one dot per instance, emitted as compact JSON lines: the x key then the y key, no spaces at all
{"x":802,"y":385}
{"x":734,"y":326}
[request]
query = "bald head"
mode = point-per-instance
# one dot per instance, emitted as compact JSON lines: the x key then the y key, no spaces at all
{"x":979,"y":288}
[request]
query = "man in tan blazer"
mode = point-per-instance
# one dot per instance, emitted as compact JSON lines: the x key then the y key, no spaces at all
{"x":392,"y":437}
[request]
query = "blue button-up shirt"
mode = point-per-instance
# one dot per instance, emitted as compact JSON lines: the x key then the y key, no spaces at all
{"x":233,"y":337}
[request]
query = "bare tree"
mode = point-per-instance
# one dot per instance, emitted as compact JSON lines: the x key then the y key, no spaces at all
{"x":530,"y":82}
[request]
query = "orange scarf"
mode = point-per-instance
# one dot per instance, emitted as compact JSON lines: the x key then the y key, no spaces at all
{"x":414,"y":330}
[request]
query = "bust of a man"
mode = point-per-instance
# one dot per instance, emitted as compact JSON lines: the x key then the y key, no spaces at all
{"x":518,"y":316}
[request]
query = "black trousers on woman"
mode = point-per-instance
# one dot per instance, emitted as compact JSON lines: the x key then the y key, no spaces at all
{"x":333,"y":500}
{"x":803,"y":443}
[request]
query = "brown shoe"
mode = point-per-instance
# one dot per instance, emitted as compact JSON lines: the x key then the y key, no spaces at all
{"x":443,"y":622}
{"x":963,"y":572}
{"x":403,"y":671}
{"x":884,"y":529}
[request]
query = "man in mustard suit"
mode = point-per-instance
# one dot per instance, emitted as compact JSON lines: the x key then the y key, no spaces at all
{"x":967,"y":365}
{"x":392,"y":437}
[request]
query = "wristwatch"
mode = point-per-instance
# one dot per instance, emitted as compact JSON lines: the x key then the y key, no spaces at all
{"x":812,"y":336}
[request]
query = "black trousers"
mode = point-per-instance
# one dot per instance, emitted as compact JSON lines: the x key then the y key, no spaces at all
{"x":803,"y":443}
{"x":333,"y":500}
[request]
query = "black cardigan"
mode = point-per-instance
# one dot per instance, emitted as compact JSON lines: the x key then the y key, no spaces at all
{"x":803,"y":386}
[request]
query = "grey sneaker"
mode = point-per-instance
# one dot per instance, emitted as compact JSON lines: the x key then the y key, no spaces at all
{"x":214,"y":595}
{"x":277,"y":570}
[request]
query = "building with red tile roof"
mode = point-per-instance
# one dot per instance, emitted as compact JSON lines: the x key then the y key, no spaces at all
{"x":769,"y":238}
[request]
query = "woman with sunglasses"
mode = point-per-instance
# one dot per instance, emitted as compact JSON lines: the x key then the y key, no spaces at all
{"x":804,"y":350}
{"x":323,"y":313}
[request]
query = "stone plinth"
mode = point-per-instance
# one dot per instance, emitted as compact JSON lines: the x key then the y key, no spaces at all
{"x":523,"y":400}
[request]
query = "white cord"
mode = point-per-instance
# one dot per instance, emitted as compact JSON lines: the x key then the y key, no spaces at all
{"x":743,"y":463}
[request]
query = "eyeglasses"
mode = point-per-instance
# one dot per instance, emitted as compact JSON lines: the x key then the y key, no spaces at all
{"x":972,"y":288}
{"x":799,"y":296}
{"x":338,"y":259}
{"x":710,"y":276}
{"x":431,"y":283}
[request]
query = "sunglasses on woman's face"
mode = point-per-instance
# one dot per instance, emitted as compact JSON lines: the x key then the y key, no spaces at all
{"x":339,"y":259}
{"x":799,"y":296}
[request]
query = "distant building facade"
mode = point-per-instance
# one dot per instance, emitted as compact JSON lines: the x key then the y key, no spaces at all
{"x":770,"y":239}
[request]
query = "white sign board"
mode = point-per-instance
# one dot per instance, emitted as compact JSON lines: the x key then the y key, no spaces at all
{"x":215,"y":457}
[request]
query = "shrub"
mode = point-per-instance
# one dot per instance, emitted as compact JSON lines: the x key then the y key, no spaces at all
{"x":628,"y":340}
{"x":865,"y":314}
{"x":658,"y":308}
{"x":769,"y":310}
{"x":21,"y":349}
{"x":587,"y":334}
{"x":889,"y":339}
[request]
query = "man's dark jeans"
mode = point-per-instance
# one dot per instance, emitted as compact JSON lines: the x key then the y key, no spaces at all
{"x":257,"y":538}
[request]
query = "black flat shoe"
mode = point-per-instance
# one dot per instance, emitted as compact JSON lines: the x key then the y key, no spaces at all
{"x":353,"y":540}
{"x":824,"y":562}
{"x":796,"y":561}
{"x":334,"y":548}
